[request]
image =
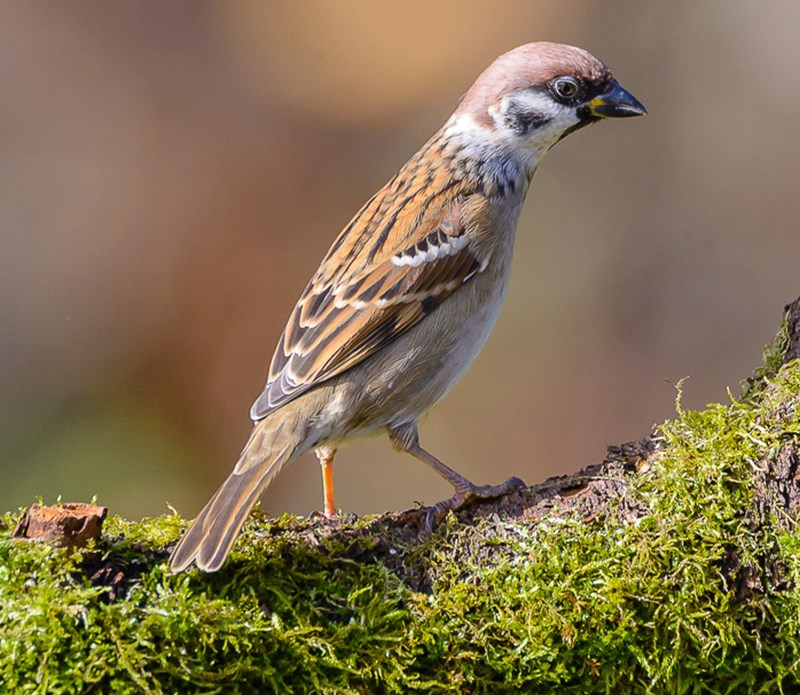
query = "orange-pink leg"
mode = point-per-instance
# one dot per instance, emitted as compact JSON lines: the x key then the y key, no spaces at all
{"x":325,"y":455}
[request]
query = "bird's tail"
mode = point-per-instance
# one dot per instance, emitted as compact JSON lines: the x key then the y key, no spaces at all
{"x":274,"y":442}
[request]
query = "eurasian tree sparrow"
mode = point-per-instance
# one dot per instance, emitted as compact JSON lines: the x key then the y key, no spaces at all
{"x":410,"y":290}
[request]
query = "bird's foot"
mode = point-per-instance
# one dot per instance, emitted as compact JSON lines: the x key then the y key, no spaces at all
{"x":467,"y":494}
{"x":327,"y":514}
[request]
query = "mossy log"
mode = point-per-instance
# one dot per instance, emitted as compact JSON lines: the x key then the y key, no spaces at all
{"x":672,"y":566}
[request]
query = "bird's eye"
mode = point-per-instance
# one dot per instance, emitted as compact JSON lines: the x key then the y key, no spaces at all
{"x":566,"y":87}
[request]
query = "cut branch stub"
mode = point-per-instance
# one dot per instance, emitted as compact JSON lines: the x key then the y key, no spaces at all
{"x":70,"y":525}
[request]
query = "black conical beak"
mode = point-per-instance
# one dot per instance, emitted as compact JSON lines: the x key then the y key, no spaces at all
{"x":616,"y":102}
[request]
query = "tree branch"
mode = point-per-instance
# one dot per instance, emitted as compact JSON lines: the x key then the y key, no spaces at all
{"x":672,"y":565}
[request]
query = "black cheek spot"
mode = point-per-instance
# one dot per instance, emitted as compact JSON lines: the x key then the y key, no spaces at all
{"x":523,"y":122}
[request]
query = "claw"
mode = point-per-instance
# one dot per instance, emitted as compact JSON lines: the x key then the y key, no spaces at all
{"x":467,"y":494}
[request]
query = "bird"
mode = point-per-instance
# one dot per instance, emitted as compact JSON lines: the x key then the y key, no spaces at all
{"x":409,"y":291}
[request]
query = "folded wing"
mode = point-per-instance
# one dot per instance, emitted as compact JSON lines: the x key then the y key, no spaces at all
{"x":385,"y":273}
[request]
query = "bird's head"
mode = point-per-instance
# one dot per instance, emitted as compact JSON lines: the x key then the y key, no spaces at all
{"x":535,"y":95}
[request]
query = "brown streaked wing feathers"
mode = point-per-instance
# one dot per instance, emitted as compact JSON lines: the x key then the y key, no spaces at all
{"x":352,"y":309}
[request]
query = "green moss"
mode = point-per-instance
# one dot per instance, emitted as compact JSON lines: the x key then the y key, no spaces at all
{"x":773,"y":358}
{"x":680,"y":587}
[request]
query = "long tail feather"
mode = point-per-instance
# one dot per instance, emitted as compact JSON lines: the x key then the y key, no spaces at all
{"x":273,"y":443}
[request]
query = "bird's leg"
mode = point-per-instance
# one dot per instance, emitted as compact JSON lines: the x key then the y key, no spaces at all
{"x":405,"y":438}
{"x":325,"y":455}
{"x":465,"y":490}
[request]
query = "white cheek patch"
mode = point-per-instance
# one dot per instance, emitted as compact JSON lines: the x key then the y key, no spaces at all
{"x":555,"y":120}
{"x":463,"y":125}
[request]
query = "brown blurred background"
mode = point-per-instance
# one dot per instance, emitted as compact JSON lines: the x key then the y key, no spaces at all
{"x":172,"y":173}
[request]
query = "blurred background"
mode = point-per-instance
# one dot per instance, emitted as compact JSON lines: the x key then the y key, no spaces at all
{"x":172,"y":173}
